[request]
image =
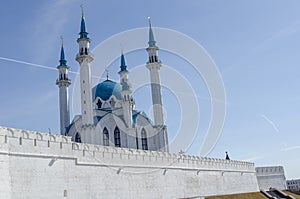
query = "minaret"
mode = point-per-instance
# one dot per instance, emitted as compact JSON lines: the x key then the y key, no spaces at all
{"x":84,"y":57}
{"x":126,"y":92}
{"x":154,"y":66}
{"x":63,"y":82}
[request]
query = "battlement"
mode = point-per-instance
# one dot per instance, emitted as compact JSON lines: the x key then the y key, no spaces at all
{"x":269,"y":170}
{"x":24,"y":142}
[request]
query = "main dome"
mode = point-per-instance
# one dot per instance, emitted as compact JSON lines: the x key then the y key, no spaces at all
{"x":106,"y":89}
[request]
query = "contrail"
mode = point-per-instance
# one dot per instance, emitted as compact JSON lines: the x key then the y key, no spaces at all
{"x":40,"y":66}
{"x":32,"y":64}
{"x":270,"y":121}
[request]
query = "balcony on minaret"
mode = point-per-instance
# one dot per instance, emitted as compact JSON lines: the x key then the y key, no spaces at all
{"x":63,"y":80}
{"x":153,"y":59}
{"x":84,"y":53}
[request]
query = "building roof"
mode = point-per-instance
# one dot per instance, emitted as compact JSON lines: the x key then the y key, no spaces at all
{"x":141,"y":113}
{"x":256,"y":195}
{"x":252,"y":195}
{"x":106,"y":89}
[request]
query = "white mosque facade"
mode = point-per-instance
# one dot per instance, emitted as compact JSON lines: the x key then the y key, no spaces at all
{"x":108,"y":115}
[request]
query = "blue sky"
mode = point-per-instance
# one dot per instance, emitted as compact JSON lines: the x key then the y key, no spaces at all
{"x":255,"y":45}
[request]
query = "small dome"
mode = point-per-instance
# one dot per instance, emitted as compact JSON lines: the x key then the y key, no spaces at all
{"x":106,"y":89}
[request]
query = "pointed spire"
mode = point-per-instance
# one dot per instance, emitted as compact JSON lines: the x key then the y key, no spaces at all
{"x":106,"y":70}
{"x":83,"y":33}
{"x":151,"y":41}
{"x":62,"y":61}
{"x":123,"y":64}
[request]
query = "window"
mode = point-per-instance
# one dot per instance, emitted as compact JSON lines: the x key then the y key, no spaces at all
{"x":144,"y":139}
{"x":112,"y":103}
{"x":117,"y":137}
{"x":99,"y":104}
{"x":77,"y":138}
{"x":105,"y":137}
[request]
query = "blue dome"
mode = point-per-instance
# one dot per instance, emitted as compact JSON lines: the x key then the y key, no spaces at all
{"x":106,"y":89}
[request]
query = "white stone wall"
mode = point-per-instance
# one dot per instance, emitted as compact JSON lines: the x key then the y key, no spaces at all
{"x":38,"y":165}
{"x":271,"y":177}
{"x":5,"y":185}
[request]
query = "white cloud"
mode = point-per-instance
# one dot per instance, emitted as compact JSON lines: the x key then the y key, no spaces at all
{"x":291,"y":148}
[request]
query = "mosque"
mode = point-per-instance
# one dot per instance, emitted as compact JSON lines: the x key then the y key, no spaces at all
{"x":108,"y":116}
{"x":111,"y":150}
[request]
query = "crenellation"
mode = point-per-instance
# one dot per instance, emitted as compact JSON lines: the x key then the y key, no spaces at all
{"x":43,"y":143}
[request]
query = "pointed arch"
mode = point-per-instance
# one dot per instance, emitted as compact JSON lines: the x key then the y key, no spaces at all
{"x":112,"y":103}
{"x":105,"y":137}
{"x":144,"y":139}
{"x":77,"y":138}
{"x":99,"y":104}
{"x":117,"y":137}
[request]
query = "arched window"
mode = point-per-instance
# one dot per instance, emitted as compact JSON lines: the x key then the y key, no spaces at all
{"x":117,"y":137}
{"x":77,"y":138}
{"x":112,"y":103}
{"x":144,"y":139}
{"x":99,"y":104}
{"x":105,"y":137}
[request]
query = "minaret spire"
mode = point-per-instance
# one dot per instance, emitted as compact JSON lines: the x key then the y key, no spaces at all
{"x":83,"y":33}
{"x":63,"y":82}
{"x":151,"y":41}
{"x":62,"y":61}
{"x":123,"y":66}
